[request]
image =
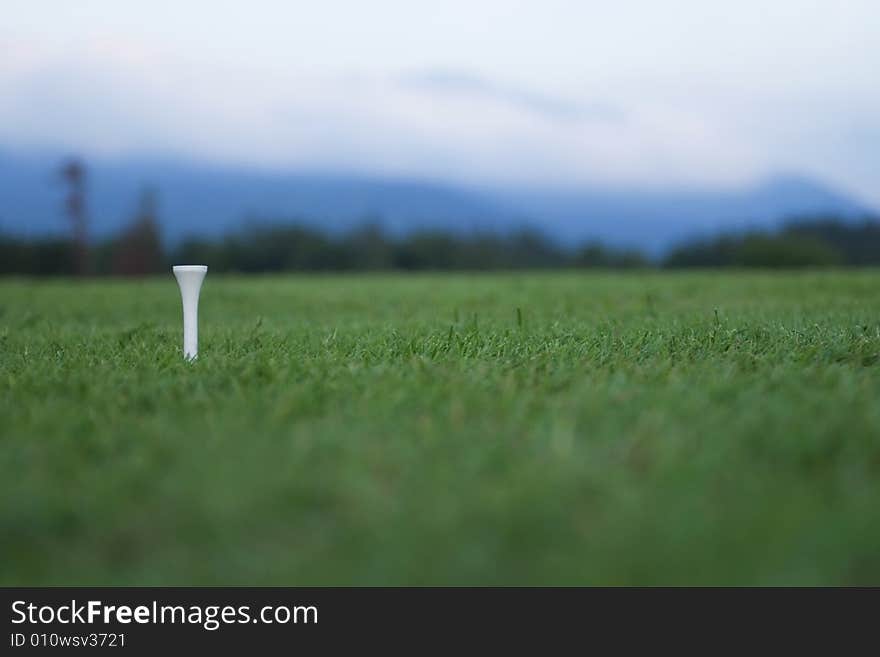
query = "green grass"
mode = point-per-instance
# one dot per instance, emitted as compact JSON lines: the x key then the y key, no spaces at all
{"x":444,"y":429}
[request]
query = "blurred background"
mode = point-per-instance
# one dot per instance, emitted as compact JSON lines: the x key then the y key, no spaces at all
{"x":488,"y":134}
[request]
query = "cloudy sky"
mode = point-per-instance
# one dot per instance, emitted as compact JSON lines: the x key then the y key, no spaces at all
{"x":546,"y":92}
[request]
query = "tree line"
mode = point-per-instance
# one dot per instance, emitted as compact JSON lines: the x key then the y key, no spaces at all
{"x":804,"y":242}
{"x":276,"y":247}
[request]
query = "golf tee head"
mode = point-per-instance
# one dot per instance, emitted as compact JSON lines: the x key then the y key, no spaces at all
{"x":189,"y":279}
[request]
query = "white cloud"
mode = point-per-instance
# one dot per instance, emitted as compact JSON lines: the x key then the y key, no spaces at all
{"x":548,"y":93}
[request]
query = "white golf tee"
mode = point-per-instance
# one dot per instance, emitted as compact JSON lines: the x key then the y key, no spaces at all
{"x":189,"y":279}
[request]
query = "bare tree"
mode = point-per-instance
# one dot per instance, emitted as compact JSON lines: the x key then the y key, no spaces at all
{"x":139,"y":247}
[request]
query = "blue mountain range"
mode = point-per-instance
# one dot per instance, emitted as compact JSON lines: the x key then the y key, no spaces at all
{"x":208,"y":200}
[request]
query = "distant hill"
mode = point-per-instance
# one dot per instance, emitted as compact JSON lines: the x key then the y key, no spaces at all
{"x":653,"y":220}
{"x":208,"y":200}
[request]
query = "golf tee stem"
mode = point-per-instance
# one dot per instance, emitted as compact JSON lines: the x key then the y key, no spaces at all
{"x":189,"y":279}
